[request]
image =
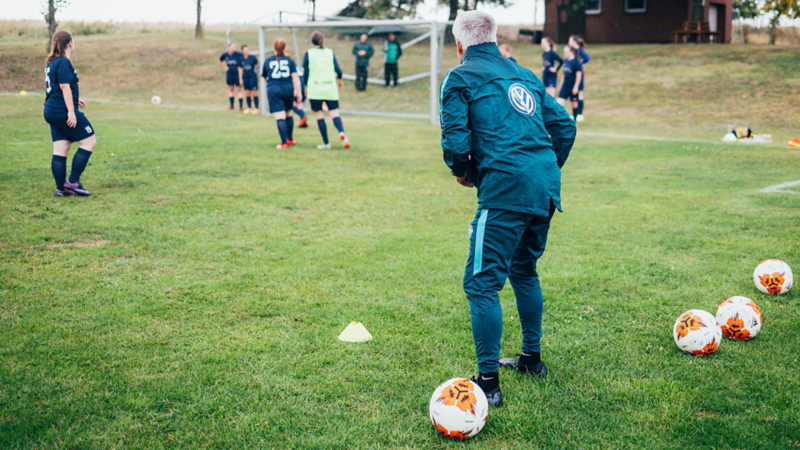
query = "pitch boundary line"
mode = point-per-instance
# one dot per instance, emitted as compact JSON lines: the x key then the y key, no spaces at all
{"x":781,"y":188}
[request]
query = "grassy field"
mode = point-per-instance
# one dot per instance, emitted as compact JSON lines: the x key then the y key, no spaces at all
{"x":194,"y":300}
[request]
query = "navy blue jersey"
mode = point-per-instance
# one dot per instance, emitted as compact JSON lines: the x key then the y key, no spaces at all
{"x":232,"y":61}
{"x":279,"y":73}
{"x":583,"y":56}
{"x":512,"y":59}
{"x":571,"y":69}
{"x":550,"y":57}
{"x":60,"y":71}
{"x":249,"y":65}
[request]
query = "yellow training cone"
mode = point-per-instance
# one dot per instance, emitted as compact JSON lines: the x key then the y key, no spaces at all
{"x":355,"y":332}
{"x":23,"y":92}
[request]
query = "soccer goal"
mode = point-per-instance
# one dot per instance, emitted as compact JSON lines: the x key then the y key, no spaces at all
{"x":420,"y":65}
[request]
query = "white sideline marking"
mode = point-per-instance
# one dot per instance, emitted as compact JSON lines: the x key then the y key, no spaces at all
{"x":781,"y":188}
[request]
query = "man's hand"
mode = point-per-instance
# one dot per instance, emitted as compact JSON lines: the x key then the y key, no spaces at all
{"x":81,"y":103}
{"x":362,"y":53}
{"x":462,"y":180}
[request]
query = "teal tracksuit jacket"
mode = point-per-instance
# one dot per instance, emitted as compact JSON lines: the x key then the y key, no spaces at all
{"x":501,"y":129}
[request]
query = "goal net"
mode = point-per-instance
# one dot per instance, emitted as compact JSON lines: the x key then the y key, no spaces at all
{"x":419,"y":68}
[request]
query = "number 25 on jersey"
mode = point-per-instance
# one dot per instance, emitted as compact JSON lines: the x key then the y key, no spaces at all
{"x":280,"y":69}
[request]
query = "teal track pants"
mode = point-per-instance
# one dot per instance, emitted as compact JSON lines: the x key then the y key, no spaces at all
{"x":504,"y":245}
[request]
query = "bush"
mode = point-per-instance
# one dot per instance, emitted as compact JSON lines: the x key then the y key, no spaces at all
{"x":87,"y":29}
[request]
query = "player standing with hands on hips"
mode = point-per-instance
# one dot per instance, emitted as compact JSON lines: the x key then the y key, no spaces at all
{"x":67,"y":124}
{"x":231,"y":61}
{"x":503,"y":134}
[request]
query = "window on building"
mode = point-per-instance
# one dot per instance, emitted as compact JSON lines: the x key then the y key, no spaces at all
{"x":635,"y":6}
{"x":593,"y":6}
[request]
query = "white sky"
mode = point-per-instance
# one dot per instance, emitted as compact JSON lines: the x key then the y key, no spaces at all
{"x":228,"y":11}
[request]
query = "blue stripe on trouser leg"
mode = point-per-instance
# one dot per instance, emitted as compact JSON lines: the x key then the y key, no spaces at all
{"x":503,"y":234}
{"x":477,"y":265}
{"x":525,"y":281}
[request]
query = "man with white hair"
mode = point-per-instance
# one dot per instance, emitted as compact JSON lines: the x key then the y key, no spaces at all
{"x":502,"y":133}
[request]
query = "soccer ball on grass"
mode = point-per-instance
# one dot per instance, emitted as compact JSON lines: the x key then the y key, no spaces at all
{"x":156,"y":100}
{"x":773,"y":276}
{"x":458,"y":408}
{"x":740,"y":318}
{"x":697,"y":332}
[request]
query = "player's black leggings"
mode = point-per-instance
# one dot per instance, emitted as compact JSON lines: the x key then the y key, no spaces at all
{"x":390,"y":71}
{"x":361,"y":78}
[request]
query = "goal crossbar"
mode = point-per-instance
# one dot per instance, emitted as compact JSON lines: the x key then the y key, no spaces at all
{"x":435,"y":31}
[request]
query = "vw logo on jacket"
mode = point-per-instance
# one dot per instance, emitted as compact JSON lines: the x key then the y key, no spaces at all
{"x":521,"y":99}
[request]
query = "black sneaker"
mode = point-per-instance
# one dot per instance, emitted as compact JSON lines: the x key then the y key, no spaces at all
{"x":76,"y":188}
{"x":538,"y":369}
{"x":63,"y":192}
{"x":491,"y":389}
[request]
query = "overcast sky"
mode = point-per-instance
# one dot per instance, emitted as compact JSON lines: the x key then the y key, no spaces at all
{"x":227,"y":11}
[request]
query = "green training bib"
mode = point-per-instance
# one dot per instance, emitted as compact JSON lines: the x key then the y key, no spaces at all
{"x":322,"y":80}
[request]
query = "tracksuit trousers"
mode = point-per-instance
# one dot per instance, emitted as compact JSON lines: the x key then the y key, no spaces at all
{"x":504,"y":245}
{"x":389,"y":72}
{"x":361,"y":78}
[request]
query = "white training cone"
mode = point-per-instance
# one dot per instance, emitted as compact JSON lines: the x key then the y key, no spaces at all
{"x":355,"y":332}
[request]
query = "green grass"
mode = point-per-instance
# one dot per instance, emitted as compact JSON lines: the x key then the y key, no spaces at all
{"x":194,"y":300}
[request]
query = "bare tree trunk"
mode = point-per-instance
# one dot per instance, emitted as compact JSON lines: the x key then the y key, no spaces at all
{"x":51,"y":18}
{"x":198,"y":29}
{"x":773,"y":28}
{"x":313,"y":10}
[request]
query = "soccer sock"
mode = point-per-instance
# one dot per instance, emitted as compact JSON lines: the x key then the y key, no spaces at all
{"x":289,"y":127}
{"x":248,"y":102}
{"x":255,"y":101}
{"x":299,"y":112}
{"x":489,"y":381}
{"x":323,"y":130}
{"x":530,"y":359}
{"x":337,"y":122}
{"x":241,"y":104}
{"x":282,"y":130}
{"x":580,"y":106}
{"x":59,"y":167}
{"x":231,"y":100}
{"x":79,"y":163}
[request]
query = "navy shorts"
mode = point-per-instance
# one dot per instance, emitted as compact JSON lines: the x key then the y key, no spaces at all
{"x":232,"y":78}
{"x":316,"y":105}
{"x":250,"y":83}
{"x":60,"y":131}
{"x":280,"y":100}
{"x":566,"y":92}
{"x":550,"y":79}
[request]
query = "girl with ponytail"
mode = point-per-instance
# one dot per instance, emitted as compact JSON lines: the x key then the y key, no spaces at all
{"x":283,"y":87}
{"x":550,"y":74}
{"x":67,"y":123}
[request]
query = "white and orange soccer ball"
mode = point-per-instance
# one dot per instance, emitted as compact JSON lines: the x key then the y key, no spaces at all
{"x":156,"y":100}
{"x":458,"y":408}
{"x":773,"y":276}
{"x":697,"y":332}
{"x":739,"y":318}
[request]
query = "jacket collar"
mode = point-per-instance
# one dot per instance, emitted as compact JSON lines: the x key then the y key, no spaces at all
{"x":487,"y":48}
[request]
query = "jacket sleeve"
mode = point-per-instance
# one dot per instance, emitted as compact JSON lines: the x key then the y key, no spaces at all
{"x":370,"y":50}
{"x":456,"y":135}
{"x":306,"y":72}
{"x":399,"y":50}
{"x":337,"y":69}
{"x":560,"y":127}
{"x":355,"y":49}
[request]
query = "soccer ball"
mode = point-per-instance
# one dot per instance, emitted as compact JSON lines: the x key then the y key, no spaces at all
{"x":156,"y":100}
{"x":773,"y":277}
{"x":458,"y":408}
{"x":697,"y":332}
{"x":740,"y":318}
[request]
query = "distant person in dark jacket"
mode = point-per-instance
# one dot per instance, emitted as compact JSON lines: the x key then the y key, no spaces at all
{"x":363,"y":51}
{"x":393,"y":53}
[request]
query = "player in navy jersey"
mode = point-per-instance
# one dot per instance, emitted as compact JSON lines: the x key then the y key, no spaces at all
{"x":230,"y":61}
{"x":577,"y":43}
{"x":573,"y":73}
{"x":67,"y":123}
{"x":283,"y":88}
{"x":550,"y":74}
{"x":298,"y":106}
{"x":249,"y":66}
{"x":505,"y":50}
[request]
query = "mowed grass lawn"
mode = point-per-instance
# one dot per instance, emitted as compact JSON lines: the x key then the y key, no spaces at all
{"x":195,"y":299}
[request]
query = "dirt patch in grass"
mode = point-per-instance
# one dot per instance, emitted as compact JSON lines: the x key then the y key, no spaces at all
{"x":80,"y":244}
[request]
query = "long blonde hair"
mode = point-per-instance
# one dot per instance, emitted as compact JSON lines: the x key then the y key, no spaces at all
{"x":59,"y":46}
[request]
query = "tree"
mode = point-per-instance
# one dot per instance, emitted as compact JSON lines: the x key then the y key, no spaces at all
{"x":198,"y":28}
{"x":313,"y":9}
{"x":381,"y":9}
{"x":468,"y":5}
{"x":778,"y":9}
{"x":747,"y":9}
{"x":50,"y":15}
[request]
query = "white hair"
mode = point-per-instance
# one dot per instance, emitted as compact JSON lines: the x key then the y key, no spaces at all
{"x":475,"y":27}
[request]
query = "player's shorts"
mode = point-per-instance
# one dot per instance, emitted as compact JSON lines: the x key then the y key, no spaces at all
{"x":567,"y":93}
{"x":232,"y":78}
{"x":250,"y":83}
{"x":550,"y":79}
{"x":316,"y":105}
{"x":280,"y":100}
{"x":60,"y":131}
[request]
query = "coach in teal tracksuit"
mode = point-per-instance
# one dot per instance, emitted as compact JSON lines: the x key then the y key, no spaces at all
{"x":503,"y":134}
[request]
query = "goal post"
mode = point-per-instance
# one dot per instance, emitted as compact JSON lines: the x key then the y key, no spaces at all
{"x":427,"y":30}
